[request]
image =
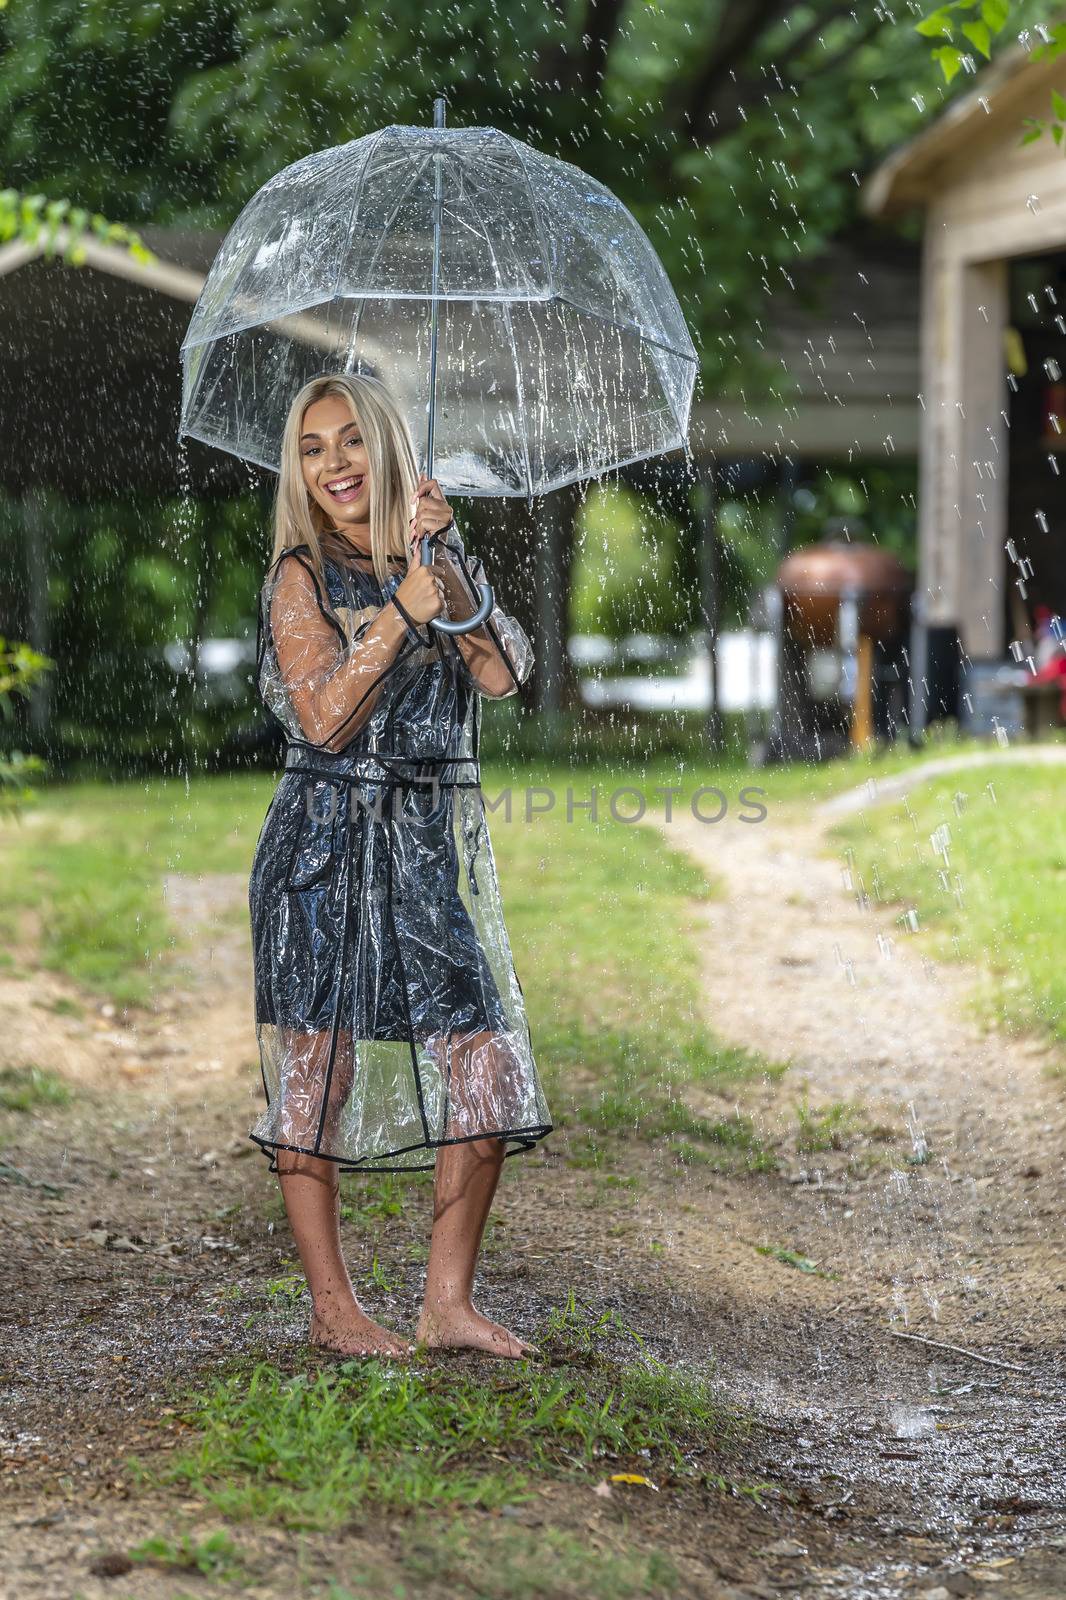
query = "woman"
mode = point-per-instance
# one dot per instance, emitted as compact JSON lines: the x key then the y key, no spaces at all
{"x":390,"y":1019}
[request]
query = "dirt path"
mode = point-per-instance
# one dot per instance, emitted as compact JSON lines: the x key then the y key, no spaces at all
{"x":142,"y":1230}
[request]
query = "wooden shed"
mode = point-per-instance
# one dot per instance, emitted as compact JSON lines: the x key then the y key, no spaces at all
{"x":992,"y":449}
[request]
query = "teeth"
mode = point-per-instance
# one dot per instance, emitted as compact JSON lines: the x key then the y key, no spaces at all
{"x":344,"y":483}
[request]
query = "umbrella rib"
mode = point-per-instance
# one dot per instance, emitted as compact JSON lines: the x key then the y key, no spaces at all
{"x":383,"y":232}
{"x":382,"y":236}
{"x":523,"y":433}
{"x":517,"y":146}
{"x":486,"y":234}
{"x":627,"y":327}
{"x":370,"y":154}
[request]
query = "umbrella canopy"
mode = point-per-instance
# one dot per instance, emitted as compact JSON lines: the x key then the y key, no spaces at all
{"x":562,"y":351}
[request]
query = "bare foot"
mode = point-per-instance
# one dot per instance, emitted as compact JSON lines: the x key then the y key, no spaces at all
{"x":354,"y":1334}
{"x":463,"y":1328}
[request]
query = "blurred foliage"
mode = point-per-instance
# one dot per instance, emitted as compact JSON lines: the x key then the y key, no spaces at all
{"x":20,"y":669}
{"x":126,"y":580}
{"x":60,"y":227}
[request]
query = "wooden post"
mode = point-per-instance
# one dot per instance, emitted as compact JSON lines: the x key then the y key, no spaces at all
{"x":862,"y":716}
{"x":710,"y":566}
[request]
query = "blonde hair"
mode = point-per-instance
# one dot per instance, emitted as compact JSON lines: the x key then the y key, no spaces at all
{"x":299,"y":519}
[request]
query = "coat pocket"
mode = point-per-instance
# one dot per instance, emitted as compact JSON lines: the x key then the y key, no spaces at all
{"x":314,"y":850}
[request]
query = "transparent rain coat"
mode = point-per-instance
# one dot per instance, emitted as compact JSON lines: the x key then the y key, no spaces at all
{"x":389,"y":1016}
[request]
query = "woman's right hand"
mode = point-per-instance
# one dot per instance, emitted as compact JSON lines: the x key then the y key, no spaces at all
{"x":421,"y":593}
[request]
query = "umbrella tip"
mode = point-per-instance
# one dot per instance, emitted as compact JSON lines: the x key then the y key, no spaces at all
{"x":440,"y":105}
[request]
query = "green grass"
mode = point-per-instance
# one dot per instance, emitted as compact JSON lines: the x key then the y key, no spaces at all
{"x":996,"y":900}
{"x":89,"y":860}
{"x":380,"y":1197}
{"x":827,"y":1129}
{"x":29,"y":1088}
{"x":516,"y":1563}
{"x":792,"y":1258}
{"x":304,"y":1450}
{"x":214,"y":1557}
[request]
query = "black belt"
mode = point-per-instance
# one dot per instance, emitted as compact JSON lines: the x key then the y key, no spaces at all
{"x":459,"y":772}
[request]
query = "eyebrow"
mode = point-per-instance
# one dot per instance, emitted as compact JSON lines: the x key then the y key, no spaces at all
{"x":352,"y":424}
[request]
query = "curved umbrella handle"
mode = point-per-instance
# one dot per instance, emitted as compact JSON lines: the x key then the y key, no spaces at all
{"x":468,"y":624}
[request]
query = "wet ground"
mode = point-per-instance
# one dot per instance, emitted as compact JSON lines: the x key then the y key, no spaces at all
{"x":141,"y":1229}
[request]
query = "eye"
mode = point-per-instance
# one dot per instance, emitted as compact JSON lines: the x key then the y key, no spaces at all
{"x":355,"y":439}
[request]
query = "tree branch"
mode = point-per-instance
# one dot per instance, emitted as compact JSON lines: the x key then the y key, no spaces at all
{"x":601,"y":26}
{"x":739,"y":27}
{"x":715,"y":122}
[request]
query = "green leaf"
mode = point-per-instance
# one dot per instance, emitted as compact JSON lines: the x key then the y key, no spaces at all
{"x":950,"y":60}
{"x":979,"y":36}
{"x":995,"y":13}
{"x":1034,"y":132}
{"x":1058,"y":101}
{"x":1057,"y":132}
{"x":937,"y":26}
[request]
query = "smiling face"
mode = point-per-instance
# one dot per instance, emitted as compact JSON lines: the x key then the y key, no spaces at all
{"x":334,"y":462}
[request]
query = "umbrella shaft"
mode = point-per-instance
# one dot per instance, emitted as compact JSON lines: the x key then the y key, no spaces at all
{"x":438,"y":204}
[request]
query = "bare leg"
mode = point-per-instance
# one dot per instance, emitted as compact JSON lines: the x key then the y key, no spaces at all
{"x":311,"y":1186}
{"x":311,"y":1189}
{"x":466,"y":1179}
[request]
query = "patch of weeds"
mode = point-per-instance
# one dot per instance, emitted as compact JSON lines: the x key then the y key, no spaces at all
{"x":882,"y":1132}
{"x":278,"y":1295}
{"x":792,"y":1258}
{"x":577,"y":1332}
{"x":304,"y":1449}
{"x":382,"y":1199}
{"x":736,"y":1142}
{"x":728,"y":1154}
{"x":586,"y":1152}
{"x":828,"y":1129}
{"x":214,"y":1557}
{"x":286,"y":1290}
{"x":605,"y":1187}
{"x":545,"y":1564}
{"x":61,"y":1007}
{"x":377,"y":1277}
{"x":26,"y":1088}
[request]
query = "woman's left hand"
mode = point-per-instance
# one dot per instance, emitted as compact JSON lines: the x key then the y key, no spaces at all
{"x":432,"y":513}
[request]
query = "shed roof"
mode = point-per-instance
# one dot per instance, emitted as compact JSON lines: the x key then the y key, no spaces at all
{"x":1010,"y":86}
{"x":100,"y":343}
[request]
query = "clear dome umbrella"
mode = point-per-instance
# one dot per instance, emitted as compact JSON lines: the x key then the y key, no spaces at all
{"x":512,"y":304}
